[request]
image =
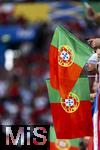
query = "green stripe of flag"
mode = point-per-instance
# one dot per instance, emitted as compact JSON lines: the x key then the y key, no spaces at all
{"x":52,"y":134}
{"x":81,"y":89}
{"x":73,"y":142}
{"x":64,"y":37}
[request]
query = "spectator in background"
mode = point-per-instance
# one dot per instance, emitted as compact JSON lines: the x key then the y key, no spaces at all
{"x":14,"y":89}
{"x":82,"y":145}
{"x":92,"y":15}
{"x":92,"y":70}
{"x":95,"y":43}
{"x":42,"y":37}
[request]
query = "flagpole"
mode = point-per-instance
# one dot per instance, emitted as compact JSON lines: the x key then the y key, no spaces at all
{"x":98,"y":97}
{"x":99,"y":75}
{"x":96,"y":114}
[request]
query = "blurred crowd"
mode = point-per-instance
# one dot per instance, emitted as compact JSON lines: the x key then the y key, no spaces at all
{"x":23,"y":93}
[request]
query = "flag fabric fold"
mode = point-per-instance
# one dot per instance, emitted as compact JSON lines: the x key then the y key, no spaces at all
{"x":67,"y":57}
{"x":72,"y":117}
{"x":96,"y":122}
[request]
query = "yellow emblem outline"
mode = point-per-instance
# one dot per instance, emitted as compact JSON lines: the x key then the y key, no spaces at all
{"x":61,"y":148}
{"x":75,"y":107}
{"x":65,"y":64}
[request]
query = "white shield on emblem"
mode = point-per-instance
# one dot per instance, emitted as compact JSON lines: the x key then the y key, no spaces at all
{"x":64,"y":55}
{"x":69,"y":102}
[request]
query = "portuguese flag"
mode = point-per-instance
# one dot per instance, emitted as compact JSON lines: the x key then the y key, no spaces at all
{"x":67,"y":57}
{"x":62,"y":144}
{"x":72,"y":117}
